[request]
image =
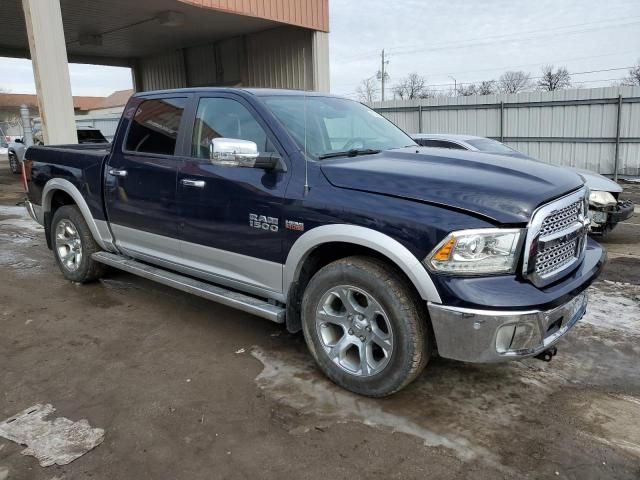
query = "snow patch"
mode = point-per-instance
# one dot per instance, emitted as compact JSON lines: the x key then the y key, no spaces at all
{"x":20,"y":219}
{"x":59,"y":441}
{"x":614,"y":310}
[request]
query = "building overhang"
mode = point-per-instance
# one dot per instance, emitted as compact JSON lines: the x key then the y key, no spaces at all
{"x":116,"y":31}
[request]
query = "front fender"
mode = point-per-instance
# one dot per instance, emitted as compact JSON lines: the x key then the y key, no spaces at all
{"x":366,"y":237}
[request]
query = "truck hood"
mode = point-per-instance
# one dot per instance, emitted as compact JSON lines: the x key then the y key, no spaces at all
{"x":593,"y":180}
{"x":597,"y":182}
{"x":487,"y":185}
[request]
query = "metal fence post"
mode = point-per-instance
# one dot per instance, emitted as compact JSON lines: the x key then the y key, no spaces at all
{"x":420,"y":118}
{"x":616,"y":159}
{"x":502,"y":121}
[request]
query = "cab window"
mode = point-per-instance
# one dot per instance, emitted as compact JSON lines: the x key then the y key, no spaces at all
{"x":226,"y":118}
{"x":155,"y":126}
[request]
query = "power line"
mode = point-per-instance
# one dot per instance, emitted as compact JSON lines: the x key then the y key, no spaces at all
{"x":462,"y":43}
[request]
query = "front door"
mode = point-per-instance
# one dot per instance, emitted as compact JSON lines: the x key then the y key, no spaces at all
{"x":231,"y":222}
{"x":140,"y":181}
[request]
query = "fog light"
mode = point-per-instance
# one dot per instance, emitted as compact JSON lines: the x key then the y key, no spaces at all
{"x":504,"y":337}
{"x":518,"y":336}
{"x":527,"y":336}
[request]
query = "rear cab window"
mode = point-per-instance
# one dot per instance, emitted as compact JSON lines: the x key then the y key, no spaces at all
{"x":155,"y":126}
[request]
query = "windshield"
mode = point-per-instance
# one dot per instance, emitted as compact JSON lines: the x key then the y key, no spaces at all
{"x":335,"y":125}
{"x":489,"y":146}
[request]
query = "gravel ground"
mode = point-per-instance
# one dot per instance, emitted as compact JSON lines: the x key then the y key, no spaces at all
{"x":185,"y":388}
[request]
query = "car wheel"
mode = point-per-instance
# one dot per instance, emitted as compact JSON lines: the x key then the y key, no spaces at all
{"x":365,"y":326}
{"x":14,"y":164}
{"x":73,"y":245}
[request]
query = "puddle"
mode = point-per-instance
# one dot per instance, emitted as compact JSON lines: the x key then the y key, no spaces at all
{"x":19,"y":236}
{"x":474,"y":410}
{"x":295,"y":382}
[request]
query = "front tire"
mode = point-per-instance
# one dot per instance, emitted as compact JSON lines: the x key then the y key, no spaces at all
{"x":73,"y":244}
{"x":365,"y":326}
{"x":14,"y":164}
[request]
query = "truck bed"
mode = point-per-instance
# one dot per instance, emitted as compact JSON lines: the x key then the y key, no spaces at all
{"x":81,"y":165}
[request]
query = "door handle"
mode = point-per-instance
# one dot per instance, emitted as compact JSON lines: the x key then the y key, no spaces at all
{"x":117,"y":173}
{"x":193,"y":183}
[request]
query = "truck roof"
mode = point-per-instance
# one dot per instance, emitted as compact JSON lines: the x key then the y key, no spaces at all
{"x":259,"y":92}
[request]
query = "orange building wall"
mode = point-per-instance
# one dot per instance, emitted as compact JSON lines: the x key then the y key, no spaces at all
{"x":313,"y":14}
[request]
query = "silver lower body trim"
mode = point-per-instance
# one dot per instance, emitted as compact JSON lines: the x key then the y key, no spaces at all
{"x":485,"y":336}
{"x":215,"y":293}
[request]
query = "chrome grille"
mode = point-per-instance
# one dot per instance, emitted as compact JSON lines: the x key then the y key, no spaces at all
{"x":561,"y":219}
{"x":556,"y":238}
{"x":552,"y":259}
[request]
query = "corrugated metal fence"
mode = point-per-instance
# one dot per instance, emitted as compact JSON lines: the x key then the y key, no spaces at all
{"x":596,"y":129}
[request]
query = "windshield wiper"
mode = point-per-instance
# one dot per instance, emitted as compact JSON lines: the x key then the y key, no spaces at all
{"x":354,"y":152}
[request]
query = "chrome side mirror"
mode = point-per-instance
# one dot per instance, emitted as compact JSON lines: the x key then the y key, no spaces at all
{"x":233,"y":152}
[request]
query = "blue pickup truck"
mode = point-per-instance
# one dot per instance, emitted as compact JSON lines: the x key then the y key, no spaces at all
{"x":314,"y":211}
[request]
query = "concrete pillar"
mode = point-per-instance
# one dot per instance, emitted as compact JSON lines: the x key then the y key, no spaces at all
{"x":320,"y":59}
{"x":51,"y":70}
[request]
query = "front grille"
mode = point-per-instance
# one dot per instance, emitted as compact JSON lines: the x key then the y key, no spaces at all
{"x":556,"y":238}
{"x":555,"y":258}
{"x":561,"y":219}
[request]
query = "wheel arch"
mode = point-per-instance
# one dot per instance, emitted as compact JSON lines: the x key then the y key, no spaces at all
{"x":99,"y":228}
{"x":363,"y":240}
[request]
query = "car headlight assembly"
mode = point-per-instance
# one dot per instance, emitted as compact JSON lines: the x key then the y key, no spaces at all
{"x":482,"y":251}
{"x":599,"y":198}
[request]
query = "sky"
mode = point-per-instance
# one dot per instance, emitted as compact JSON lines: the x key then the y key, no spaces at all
{"x":473,"y":40}
{"x":442,"y":40}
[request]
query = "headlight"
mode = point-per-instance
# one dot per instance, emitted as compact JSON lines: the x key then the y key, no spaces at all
{"x":601,"y":199}
{"x":490,"y":250}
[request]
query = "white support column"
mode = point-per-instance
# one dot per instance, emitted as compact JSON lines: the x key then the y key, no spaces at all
{"x":320,"y":43}
{"x":51,"y":70}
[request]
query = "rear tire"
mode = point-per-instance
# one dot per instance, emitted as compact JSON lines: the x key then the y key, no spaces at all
{"x":73,"y":244}
{"x":14,"y":164}
{"x":365,"y":326}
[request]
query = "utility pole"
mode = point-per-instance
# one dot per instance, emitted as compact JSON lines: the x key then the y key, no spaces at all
{"x":383,"y":73}
{"x":455,"y":85}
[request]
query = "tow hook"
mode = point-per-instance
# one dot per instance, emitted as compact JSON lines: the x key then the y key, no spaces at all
{"x":548,"y":354}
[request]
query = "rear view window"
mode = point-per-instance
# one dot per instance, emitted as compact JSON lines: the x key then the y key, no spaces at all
{"x":155,"y":126}
{"x":91,"y":136}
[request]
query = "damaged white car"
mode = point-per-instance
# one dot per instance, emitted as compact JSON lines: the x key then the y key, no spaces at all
{"x":606,"y":209}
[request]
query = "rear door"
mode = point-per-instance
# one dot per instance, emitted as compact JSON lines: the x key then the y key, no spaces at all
{"x":231,"y":223}
{"x":140,"y":180}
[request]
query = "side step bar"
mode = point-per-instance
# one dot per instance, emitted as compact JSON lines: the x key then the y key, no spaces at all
{"x":240,"y":301}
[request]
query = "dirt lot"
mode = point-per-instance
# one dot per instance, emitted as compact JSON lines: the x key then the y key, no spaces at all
{"x":187,"y":389}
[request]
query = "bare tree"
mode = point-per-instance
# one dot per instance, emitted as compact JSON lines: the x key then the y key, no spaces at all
{"x":486,"y":87}
{"x":411,"y":87}
{"x":514,"y":82}
{"x":467,"y":90}
{"x":554,"y":80}
{"x":634,"y":76}
{"x":367,"y":90}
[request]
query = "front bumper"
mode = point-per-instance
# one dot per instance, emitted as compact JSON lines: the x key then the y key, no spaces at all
{"x":483,"y":336}
{"x":610,"y":216}
{"x":622,"y":211}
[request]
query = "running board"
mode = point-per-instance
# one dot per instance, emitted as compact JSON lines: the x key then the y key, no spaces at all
{"x":240,"y":301}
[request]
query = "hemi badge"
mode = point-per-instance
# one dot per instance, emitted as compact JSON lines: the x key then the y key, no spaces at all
{"x":296,"y":226}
